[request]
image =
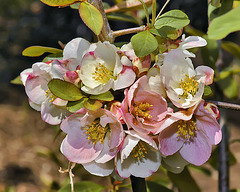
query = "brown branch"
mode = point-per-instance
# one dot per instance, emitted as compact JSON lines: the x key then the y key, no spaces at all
{"x":128,"y":31}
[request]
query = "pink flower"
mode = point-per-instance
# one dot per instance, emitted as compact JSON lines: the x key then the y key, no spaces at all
{"x":93,"y":138}
{"x":192,"y":132}
{"x":143,"y":109}
{"x":139,"y":156}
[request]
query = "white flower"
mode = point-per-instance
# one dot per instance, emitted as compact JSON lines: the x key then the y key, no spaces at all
{"x":103,"y":69}
{"x":184,"y":85}
{"x":139,"y":156}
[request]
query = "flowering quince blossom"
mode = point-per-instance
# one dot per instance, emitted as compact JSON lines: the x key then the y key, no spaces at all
{"x":139,"y":156}
{"x":184,"y":85}
{"x":103,"y":69}
{"x":53,"y":110}
{"x":93,"y":139}
{"x":143,"y":109}
{"x":192,"y":132}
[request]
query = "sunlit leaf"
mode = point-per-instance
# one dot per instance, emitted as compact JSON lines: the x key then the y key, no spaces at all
{"x":92,"y":104}
{"x":83,"y":186}
{"x":232,"y":48}
{"x":75,"y":6}
{"x":184,"y":181}
{"x":172,"y":20}
{"x":91,"y":17}
{"x":144,"y":43}
{"x":35,"y":51}
{"x":17,"y":81}
{"x":221,"y":26}
{"x":74,"y":106}
{"x":107,"y":96}
{"x":219,"y":9}
{"x":65,"y":90}
{"x":207,"y":91}
{"x":153,"y":187}
{"x":58,"y":2}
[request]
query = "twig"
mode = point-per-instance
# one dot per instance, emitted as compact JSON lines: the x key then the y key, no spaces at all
{"x":128,"y":31}
{"x":160,"y":12}
{"x":226,"y":105}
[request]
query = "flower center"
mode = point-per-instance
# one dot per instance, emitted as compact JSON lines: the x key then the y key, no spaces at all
{"x":142,"y":110}
{"x":96,"y":132}
{"x":189,"y":86}
{"x":186,"y":129}
{"x":49,"y":94}
{"x":139,"y":151}
{"x":102,"y":74}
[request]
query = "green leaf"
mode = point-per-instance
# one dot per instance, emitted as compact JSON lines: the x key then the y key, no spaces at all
{"x":74,"y":106}
{"x":201,"y":169}
{"x":17,"y":81}
{"x":35,"y":51}
{"x":145,"y":10}
{"x":220,"y":9}
{"x":122,"y":17}
{"x":215,"y":3}
{"x":210,"y":52}
{"x":229,"y":86}
{"x":55,"y":3}
{"x":91,"y":17}
{"x":207,"y":91}
{"x":144,"y":43}
{"x":221,"y":26}
{"x":172,"y":20}
{"x":92,"y":104}
{"x":83,"y":186}
{"x":192,"y":31}
{"x":232,"y":48}
{"x":53,"y":56}
{"x":75,"y":6}
{"x":184,"y":181}
{"x":107,"y":96}
{"x":153,"y":187}
{"x":65,"y":90}
{"x":234,"y":190}
{"x":158,"y":32}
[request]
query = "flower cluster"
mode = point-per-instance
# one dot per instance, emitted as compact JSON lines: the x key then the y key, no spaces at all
{"x":156,"y":114}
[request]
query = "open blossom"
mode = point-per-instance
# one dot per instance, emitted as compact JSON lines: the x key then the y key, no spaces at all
{"x":93,"y":139}
{"x":192,"y":133}
{"x":103,"y":69}
{"x":53,"y":110}
{"x":139,"y":156}
{"x":143,"y":109}
{"x":184,"y":85}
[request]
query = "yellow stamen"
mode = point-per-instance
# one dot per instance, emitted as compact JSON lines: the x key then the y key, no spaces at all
{"x":186,"y":129}
{"x":139,"y":151}
{"x":102,"y":74}
{"x":96,"y":132}
{"x":189,"y":86}
{"x":142,"y":110}
{"x":49,"y":94}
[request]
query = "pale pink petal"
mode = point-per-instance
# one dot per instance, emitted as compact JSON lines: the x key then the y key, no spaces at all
{"x":35,"y":106}
{"x":169,"y":142}
{"x":198,"y":150}
{"x":60,"y":102}
{"x":207,"y":71}
{"x":24,"y":75}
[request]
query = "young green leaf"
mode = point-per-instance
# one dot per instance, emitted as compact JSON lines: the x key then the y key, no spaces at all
{"x":17,"y":81}
{"x":92,"y":104}
{"x":75,"y":6}
{"x":108,"y":96}
{"x":122,"y":17}
{"x":145,"y":10}
{"x":232,"y":48}
{"x":65,"y":90}
{"x":221,"y":26}
{"x":144,"y":43}
{"x":83,"y":186}
{"x":56,"y":3}
{"x":35,"y":51}
{"x":74,"y":106}
{"x":91,"y":17}
{"x":207,"y":91}
{"x":172,"y":20}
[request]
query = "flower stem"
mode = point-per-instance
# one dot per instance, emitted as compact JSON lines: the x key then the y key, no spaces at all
{"x":160,"y":12}
{"x":128,"y":31}
{"x":226,"y":105}
{"x":138,"y":184}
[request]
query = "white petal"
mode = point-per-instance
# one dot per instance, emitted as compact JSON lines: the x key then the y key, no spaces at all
{"x":24,"y":74}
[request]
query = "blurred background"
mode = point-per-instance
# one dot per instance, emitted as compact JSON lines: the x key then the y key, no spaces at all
{"x":30,"y":156}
